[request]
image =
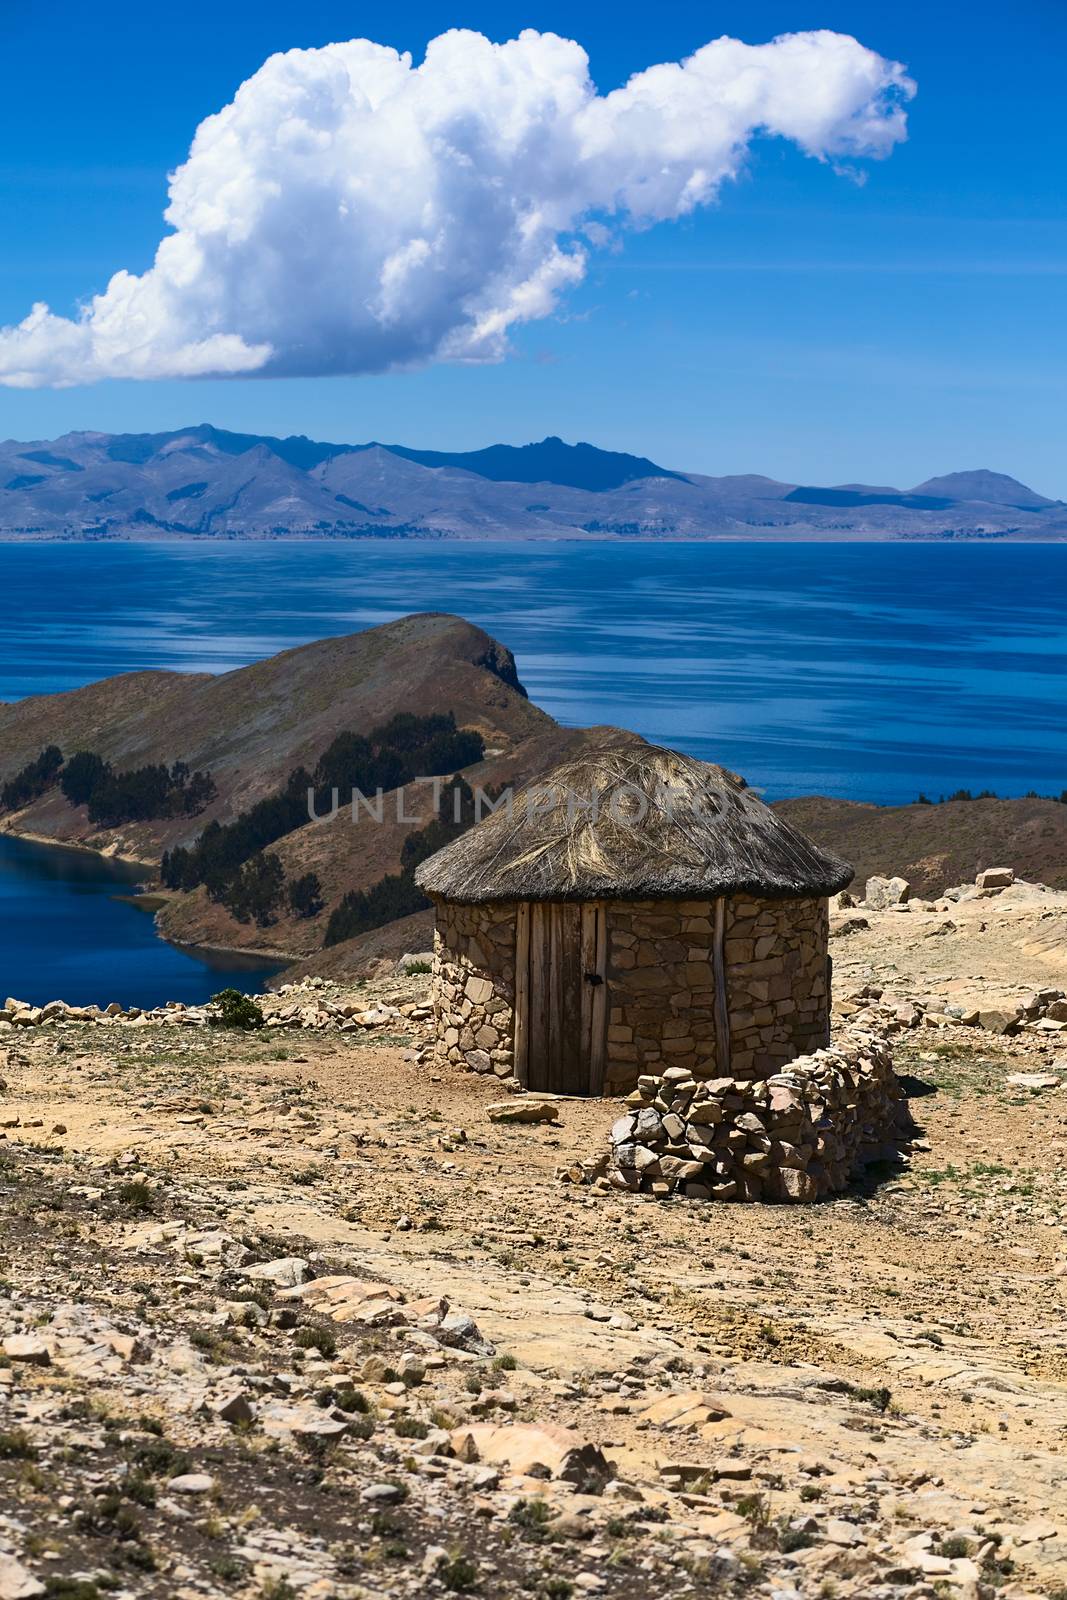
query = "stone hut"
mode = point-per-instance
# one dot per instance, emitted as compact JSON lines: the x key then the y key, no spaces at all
{"x":635,"y":910}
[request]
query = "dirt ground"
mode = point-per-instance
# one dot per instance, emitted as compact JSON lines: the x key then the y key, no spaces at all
{"x":866,"y":1397}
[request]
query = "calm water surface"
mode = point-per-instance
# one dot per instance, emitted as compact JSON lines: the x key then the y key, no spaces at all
{"x":866,"y":671}
{"x":65,"y":936}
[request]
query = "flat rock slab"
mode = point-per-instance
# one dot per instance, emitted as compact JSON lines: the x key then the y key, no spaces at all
{"x":534,"y":1450}
{"x":525,"y":1109}
{"x":16,"y":1583}
{"x":28,"y":1347}
{"x":285,"y":1273}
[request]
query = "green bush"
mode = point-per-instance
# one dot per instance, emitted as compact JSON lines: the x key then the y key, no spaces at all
{"x":236,"y":1010}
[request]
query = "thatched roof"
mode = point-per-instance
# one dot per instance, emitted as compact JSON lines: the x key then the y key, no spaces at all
{"x":663,"y":827}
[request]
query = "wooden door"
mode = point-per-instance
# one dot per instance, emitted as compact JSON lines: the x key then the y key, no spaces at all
{"x":561,"y":997}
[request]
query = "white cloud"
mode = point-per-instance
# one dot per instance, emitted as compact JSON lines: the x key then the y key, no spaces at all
{"x":349,"y":212}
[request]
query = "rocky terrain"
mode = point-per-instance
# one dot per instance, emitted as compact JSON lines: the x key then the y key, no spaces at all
{"x":204,"y":482}
{"x":935,"y":846}
{"x":300,"y":1312}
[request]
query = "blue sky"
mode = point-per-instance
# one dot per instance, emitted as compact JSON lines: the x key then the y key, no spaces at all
{"x":806,"y":326}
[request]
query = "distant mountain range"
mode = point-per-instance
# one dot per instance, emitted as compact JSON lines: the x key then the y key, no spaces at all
{"x":204,"y":482}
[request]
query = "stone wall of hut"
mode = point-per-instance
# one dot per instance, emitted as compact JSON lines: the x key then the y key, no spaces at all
{"x":661,"y":986}
{"x":778,"y":981}
{"x":474,"y":986}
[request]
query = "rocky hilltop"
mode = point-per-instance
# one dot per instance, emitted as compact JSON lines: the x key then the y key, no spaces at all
{"x":205,"y":482}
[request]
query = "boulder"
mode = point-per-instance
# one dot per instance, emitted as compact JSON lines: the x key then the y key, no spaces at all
{"x":536,"y":1450}
{"x":995,"y":878}
{"x":996,"y":1021}
{"x":16,"y":1581}
{"x":881,"y":893}
{"x":28,"y":1347}
{"x":285,"y":1273}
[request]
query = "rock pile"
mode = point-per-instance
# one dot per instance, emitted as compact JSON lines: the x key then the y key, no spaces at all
{"x":797,"y":1136}
{"x":1041,"y":1012}
{"x":895,"y":894}
{"x":306,"y":1005}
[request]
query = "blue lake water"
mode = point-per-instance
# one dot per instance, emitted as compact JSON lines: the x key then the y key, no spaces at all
{"x":869,"y":671}
{"x":65,"y":936}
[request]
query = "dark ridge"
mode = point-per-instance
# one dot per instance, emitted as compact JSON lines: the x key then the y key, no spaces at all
{"x":577,"y":466}
{"x":357,"y":505}
{"x":45,"y":458}
{"x":26,"y":480}
{"x":137,"y":448}
{"x":188,"y":491}
{"x":855,"y":497}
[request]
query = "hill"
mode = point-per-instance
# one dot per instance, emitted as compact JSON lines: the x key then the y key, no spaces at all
{"x":940,"y":845}
{"x":205,"y":482}
{"x":250,"y":729}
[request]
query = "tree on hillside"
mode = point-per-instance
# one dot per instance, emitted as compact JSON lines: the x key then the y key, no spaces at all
{"x":34,"y":779}
{"x":82,"y":775}
{"x":256,"y":892}
{"x":305,"y":895}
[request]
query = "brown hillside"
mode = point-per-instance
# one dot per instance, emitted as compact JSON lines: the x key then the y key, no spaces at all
{"x":370,"y":953}
{"x":251,"y":727}
{"x":937,"y":846}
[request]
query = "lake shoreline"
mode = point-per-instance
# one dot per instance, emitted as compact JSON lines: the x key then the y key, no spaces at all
{"x":13,"y":832}
{"x":819,"y":536}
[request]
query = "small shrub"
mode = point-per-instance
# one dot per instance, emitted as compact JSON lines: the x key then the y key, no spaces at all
{"x":415,"y":969}
{"x":136,"y":1195}
{"x":753,"y":1507}
{"x":57,"y":1587}
{"x":410,"y":1428}
{"x":15,"y":1445}
{"x":315,"y":1338}
{"x":954,"y":1547}
{"x":305,"y":1176}
{"x":352,"y":1401}
{"x":236,"y":1010}
{"x":228,"y":1568}
{"x":879,"y":1398}
{"x":277,"y":1589}
{"x":504,"y":1363}
{"x":790,"y":1539}
{"x":531,"y":1517}
{"x":458,"y":1574}
{"x":106,"y":1515}
{"x":159,"y":1458}
{"x":139,"y":1488}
